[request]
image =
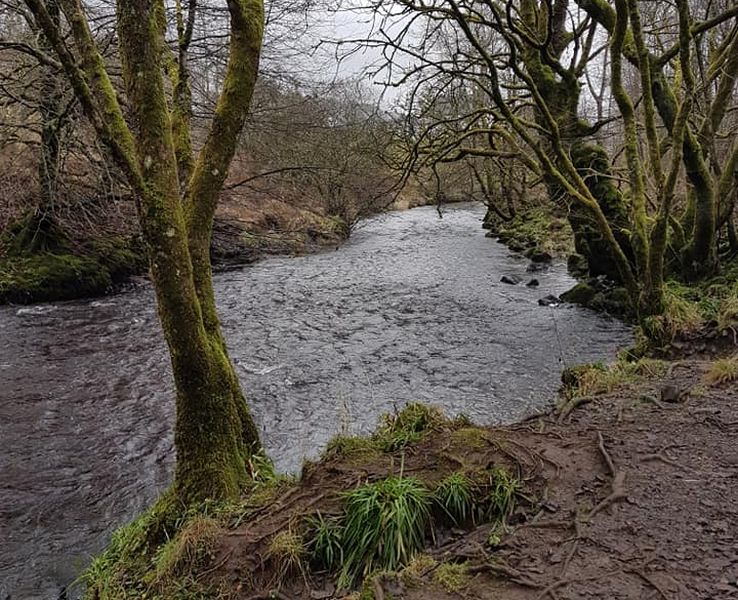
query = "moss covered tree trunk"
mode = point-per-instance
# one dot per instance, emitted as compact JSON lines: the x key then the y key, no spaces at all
{"x":214,"y":431}
{"x":560,"y":90}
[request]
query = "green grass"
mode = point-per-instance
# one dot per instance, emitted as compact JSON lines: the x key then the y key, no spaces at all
{"x":288,"y":552}
{"x":325,"y":544}
{"x":598,"y":378}
{"x":186,"y":550}
{"x":408,"y":426}
{"x":502,"y":494}
{"x":395,"y":432}
{"x":384,"y":526}
{"x":455,"y":496}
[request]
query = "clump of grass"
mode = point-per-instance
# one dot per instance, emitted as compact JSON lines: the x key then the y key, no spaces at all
{"x":351,"y":446}
{"x":452,"y":577}
{"x":384,"y":526}
{"x":455,"y":496}
{"x":468,"y":437}
{"x":502,"y":494}
{"x":186,"y":550}
{"x":682,"y":315}
{"x":416,"y":568}
{"x":325,"y":541}
{"x":724,"y":370}
{"x":598,"y":378}
{"x":288,"y":551}
{"x":408,"y":426}
{"x":593,"y":379}
{"x":727,"y":314}
{"x":396,"y":431}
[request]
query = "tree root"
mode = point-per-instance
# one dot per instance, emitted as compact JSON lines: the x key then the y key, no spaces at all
{"x":509,"y":572}
{"x":664,"y":458}
{"x":570,"y":405}
{"x":618,"y":480}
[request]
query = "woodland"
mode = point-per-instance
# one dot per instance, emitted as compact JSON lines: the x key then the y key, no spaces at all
{"x":167,"y":138}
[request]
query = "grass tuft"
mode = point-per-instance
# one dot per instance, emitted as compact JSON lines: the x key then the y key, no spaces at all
{"x":185,"y":551}
{"x":288,"y":551}
{"x":503,"y":490}
{"x":722,"y":371}
{"x":384,"y":526}
{"x":325,"y":541}
{"x":408,"y":426}
{"x":455,"y":496}
{"x":413,"y":573}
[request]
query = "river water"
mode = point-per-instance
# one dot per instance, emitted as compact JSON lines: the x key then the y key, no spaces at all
{"x":411,"y":308}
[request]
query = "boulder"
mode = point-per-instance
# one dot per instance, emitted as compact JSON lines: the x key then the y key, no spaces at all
{"x":510,"y":279}
{"x":533,"y":283}
{"x":539,"y":256}
{"x":581,"y":293}
{"x":577,"y":266}
{"x":549,"y":300}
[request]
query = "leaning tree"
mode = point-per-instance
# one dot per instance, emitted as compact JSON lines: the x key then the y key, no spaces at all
{"x":514,"y":72}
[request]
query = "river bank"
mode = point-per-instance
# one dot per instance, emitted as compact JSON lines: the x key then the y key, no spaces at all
{"x":630,"y":495}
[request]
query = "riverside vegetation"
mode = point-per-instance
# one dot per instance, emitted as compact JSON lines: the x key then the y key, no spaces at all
{"x":428,"y":507}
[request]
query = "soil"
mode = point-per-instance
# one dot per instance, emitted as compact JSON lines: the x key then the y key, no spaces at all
{"x":629,"y":497}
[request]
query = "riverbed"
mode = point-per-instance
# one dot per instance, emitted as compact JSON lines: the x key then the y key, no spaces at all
{"x":410,"y":309}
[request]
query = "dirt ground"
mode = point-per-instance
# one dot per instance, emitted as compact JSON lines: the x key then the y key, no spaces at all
{"x":631,"y":497}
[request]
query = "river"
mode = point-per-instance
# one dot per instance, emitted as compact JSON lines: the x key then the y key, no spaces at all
{"x":411,"y":308}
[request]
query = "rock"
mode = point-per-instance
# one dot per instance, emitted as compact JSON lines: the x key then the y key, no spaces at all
{"x":581,"y":293}
{"x":539,"y":256}
{"x":672,"y":393}
{"x":549,"y":300}
{"x":533,"y":283}
{"x":577,"y":265}
{"x":510,"y":279}
{"x":535,"y":267}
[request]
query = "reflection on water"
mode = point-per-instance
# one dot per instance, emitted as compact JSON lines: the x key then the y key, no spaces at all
{"x":410,"y":309}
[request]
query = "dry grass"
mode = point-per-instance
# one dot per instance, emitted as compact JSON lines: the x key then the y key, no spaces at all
{"x":722,"y":371}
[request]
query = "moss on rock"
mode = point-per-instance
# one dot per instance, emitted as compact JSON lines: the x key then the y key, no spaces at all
{"x":67,"y":274}
{"x":45,"y":277}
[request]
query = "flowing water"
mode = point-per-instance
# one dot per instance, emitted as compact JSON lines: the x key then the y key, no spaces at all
{"x":411,"y":308}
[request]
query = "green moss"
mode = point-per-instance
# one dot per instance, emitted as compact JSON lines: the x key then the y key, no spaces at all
{"x":582,"y":294}
{"x":452,"y":577}
{"x":538,"y":231}
{"x":45,"y":277}
{"x":470,"y":438}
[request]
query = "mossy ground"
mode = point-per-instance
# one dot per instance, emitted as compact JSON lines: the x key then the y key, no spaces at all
{"x":534,"y":231}
{"x":90,"y":271}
